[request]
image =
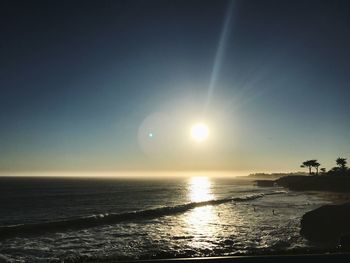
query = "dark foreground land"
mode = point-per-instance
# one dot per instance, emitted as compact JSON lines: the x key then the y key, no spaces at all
{"x":331,"y":183}
{"x":327,"y":224}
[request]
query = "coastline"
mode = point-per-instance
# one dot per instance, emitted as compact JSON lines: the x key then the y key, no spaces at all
{"x":328,"y":183}
{"x":327,"y":224}
{"x":335,"y":198}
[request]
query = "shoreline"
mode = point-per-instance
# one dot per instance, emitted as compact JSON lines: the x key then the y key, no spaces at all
{"x":334,"y":188}
{"x":327,"y":224}
{"x":334,"y":197}
{"x":328,"y":183}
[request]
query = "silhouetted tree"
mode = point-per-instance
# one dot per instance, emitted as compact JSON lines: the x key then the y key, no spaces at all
{"x":323,"y":170}
{"x":309,"y":164}
{"x":341,"y":162}
{"x":316,"y":165}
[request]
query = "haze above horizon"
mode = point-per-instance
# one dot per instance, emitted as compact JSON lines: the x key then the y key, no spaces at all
{"x":173,"y":86}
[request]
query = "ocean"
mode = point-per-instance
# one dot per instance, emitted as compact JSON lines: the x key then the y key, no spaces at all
{"x":47,"y":219}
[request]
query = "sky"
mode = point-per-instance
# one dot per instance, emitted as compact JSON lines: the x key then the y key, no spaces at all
{"x":84,"y":84}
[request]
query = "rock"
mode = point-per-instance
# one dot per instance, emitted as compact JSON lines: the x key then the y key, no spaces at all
{"x":316,"y":183}
{"x":326,"y":224}
{"x":345,"y":242}
{"x":265,"y":183}
{"x":3,"y":259}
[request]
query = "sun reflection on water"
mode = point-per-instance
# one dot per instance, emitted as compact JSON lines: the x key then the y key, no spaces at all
{"x":199,"y":189}
{"x":201,"y":221}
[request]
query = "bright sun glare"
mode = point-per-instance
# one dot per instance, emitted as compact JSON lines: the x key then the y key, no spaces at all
{"x":200,"y":189}
{"x":199,"y":132}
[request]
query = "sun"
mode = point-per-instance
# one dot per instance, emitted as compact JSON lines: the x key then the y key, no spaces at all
{"x":200,"y":132}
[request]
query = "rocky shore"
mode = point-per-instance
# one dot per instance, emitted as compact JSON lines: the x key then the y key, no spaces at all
{"x":329,"y":224}
{"x":316,"y":183}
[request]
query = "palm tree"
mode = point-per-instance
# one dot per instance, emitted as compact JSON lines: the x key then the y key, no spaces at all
{"x":316,"y":165}
{"x":309,"y":164}
{"x":341,"y":162}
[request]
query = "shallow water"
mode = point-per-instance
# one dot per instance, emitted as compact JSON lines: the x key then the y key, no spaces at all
{"x":147,"y":218}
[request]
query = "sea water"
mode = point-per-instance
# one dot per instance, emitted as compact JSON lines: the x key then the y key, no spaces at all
{"x":54,"y":219}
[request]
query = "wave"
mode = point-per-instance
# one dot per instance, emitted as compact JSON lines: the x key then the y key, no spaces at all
{"x":106,"y":219}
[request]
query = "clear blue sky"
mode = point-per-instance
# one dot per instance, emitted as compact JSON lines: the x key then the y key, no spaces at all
{"x":84,"y":83}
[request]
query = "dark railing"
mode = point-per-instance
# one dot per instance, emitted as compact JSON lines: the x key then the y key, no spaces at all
{"x":327,"y":257}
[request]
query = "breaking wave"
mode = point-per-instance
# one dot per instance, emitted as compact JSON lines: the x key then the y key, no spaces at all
{"x":105,"y":219}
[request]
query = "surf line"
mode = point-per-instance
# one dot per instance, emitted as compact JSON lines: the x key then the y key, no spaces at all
{"x":108,"y":219}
